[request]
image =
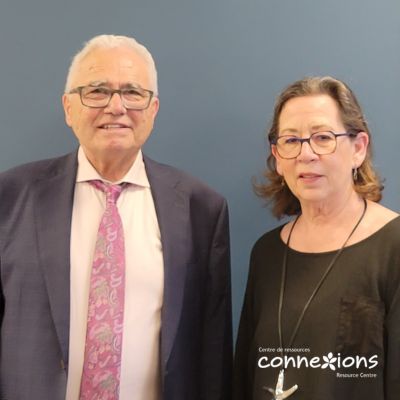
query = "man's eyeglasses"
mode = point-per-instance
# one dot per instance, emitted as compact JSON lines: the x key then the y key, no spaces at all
{"x":321,"y":143}
{"x":133,"y":98}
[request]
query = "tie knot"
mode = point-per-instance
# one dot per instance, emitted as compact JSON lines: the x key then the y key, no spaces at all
{"x":112,"y":191}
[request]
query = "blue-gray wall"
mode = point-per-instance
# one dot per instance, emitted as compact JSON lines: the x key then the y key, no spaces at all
{"x":221,"y":63}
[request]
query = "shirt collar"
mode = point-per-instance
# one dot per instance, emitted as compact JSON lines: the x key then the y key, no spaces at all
{"x":136,"y":174}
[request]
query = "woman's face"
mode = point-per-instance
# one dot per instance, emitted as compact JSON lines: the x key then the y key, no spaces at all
{"x":316,"y":178}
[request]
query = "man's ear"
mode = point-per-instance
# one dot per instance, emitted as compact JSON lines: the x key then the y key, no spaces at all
{"x":155,"y":106}
{"x":67,"y":109}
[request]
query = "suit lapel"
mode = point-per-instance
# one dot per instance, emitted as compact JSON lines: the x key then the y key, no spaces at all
{"x":172,"y":208}
{"x":53,"y":201}
{"x":53,"y":210}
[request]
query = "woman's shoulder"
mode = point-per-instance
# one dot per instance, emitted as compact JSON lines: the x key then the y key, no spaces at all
{"x":381,"y":214}
{"x":380,"y":219}
{"x":269,"y":240}
{"x":265,"y":252}
{"x":380,"y":229}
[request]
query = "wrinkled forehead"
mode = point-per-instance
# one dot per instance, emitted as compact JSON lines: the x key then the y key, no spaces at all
{"x":113,"y":66}
{"x":312,"y":109}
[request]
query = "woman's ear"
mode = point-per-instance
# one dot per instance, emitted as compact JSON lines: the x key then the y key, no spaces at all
{"x":360,"y":143}
{"x":277,"y":160}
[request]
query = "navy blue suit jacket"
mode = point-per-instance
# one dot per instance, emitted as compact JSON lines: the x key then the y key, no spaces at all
{"x":35,"y":222}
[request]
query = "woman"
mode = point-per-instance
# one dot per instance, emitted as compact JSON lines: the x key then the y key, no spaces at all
{"x":321,"y":317}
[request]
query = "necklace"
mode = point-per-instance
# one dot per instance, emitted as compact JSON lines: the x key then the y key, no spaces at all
{"x":278,"y":393}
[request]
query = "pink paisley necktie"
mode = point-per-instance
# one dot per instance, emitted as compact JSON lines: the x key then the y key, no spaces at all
{"x":102,"y":362}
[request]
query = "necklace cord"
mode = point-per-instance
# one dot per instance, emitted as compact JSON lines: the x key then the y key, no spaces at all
{"x":317,"y":287}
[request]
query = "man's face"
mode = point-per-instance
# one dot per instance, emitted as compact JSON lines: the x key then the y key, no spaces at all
{"x":113,"y":132}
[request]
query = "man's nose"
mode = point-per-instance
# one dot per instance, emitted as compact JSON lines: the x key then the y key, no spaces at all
{"x":116,"y":105}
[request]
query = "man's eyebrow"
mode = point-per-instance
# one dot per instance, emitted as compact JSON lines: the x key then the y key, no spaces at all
{"x":98,"y":83}
{"x":131,"y":85}
{"x":128,"y":85}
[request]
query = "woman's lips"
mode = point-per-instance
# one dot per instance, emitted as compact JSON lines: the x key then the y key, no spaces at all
{"x":309,"y":177}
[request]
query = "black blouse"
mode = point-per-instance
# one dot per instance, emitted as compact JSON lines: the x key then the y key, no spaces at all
{"x":351,"y":330}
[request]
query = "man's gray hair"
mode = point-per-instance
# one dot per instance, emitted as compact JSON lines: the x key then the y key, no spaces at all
{"x":109,"y":42}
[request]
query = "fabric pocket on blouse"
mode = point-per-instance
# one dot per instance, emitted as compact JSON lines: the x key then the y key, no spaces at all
{"x":361,"y":327}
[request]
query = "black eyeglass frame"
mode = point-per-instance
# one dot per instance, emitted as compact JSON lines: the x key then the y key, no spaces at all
{"x":111,"y":92}
{"x":274,"y":141}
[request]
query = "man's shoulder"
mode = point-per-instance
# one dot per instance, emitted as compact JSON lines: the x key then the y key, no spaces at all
{"x":30,"y":172}
{"x":180,"y":179}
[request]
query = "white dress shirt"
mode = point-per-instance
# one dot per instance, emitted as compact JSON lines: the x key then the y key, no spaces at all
{"x":140,"y":368}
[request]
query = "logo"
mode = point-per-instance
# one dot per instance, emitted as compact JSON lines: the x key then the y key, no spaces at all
{"x":329,"y":361}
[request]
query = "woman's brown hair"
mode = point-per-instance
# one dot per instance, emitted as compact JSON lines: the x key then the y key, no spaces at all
{"x":367,"y":183}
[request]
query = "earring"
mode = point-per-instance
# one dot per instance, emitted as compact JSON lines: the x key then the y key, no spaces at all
{"x":283,"y":181}
{"x":355,"y":174}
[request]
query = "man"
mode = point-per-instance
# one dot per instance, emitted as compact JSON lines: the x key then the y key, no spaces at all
{"x":159,"y":248}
